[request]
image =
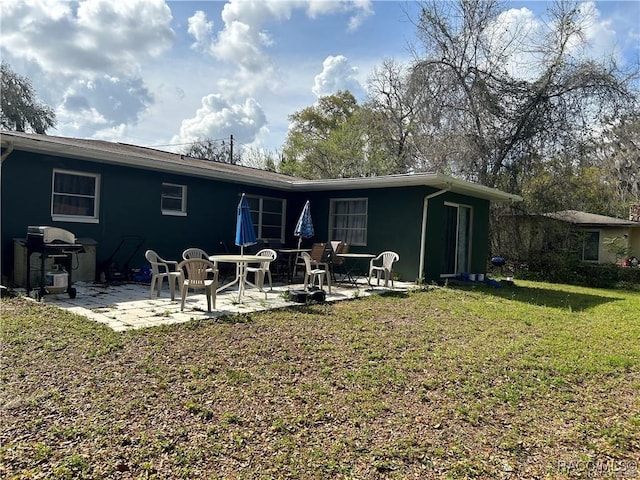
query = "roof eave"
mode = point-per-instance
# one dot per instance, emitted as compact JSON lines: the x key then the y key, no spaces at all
{"x":93,"y":154}
{"x":439,"y":181}
{"x":403,"y":180}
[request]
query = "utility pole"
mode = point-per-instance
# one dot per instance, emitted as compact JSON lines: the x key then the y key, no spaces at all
{"x":231,"y":149}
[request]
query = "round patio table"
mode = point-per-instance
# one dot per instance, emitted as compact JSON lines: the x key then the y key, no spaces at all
{"x":241,"y":262}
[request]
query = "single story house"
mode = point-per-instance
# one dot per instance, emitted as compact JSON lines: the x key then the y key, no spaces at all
{"x":122,"y":199}
{"x":587,"y":237}
{"x":602,"y":239}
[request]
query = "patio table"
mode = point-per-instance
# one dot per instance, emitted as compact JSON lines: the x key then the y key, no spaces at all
{"x":352,"y":262}
{"x":241,"y":262}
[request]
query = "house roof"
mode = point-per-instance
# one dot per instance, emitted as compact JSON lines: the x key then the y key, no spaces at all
{"x":159,"y":160}
{"x":585,"y":219}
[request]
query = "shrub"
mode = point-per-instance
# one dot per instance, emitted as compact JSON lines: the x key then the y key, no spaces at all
{"x":571,"y":271}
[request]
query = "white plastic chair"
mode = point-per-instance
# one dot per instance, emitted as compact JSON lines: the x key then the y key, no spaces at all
{"x":196,"y":276}
{"x":161,"y":269}
{"x":311,"y":274}
{"x":260,"y":272}
{"x":190,"y":253}
{"x":194,"y":253}
{"x":387,"y":265}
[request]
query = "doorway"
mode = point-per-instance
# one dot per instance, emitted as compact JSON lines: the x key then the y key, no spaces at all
{"x":457,"y":238}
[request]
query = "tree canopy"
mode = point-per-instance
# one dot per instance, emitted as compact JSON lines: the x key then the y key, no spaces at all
{"x":213,"y":150}
{"x":20,"y":111}
{"x":531,"y":114}
{"x":336,"y":138}
{"x":494,"y":119}
{"x":494,"y":106}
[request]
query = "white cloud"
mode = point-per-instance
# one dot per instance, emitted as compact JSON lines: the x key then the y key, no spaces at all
{"x":362,"y":9}
{"x":599,"y":33}
{"x":97,"y":36}
{"x":241,"y":43}
{"x":518,"y":35}
{"x":244,"y":40}
{"x":80,"y":118}
{"x":512,"y":37}
{"x":200,"y":28}
{"x":244,"y":83}
{"x":218,"y":118}
{"x":91,"y":54}
{"x":105,"y":101}
{"x":337,"y":74}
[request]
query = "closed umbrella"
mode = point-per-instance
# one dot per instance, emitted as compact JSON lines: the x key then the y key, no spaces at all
{"x":304,"y":227}
{"x":245,"y":233}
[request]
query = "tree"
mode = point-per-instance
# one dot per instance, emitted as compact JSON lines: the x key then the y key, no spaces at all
{"x":213,"y":150}
{"x":394,"y":102}
{"x":491,"y":125}
{"x":260,"y":158}
{"x":327,"y":140}
{"x":562,"y":186}
{"x":521,"y":127}
{"x":618,"y":150}
{"x":19,"y":109}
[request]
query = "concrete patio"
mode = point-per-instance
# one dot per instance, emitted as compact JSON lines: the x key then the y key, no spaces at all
{"x":127,"y":305}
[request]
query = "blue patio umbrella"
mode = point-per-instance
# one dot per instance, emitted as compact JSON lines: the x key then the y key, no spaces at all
{"x":304,"y":227}
{"x":245,"y":233}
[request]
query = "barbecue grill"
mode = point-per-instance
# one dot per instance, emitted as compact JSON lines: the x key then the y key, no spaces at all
{"x":57,"y":244}
{"x":498,"y":261}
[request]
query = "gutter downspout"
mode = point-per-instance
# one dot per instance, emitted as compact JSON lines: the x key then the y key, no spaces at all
{"x":423,"y":233}
{"x":3,"y":157}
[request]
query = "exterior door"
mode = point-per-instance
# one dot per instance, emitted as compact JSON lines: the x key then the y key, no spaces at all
{"x":457,"y":237}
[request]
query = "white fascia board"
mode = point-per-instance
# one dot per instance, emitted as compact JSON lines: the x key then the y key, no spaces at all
{"x":404,"y":180}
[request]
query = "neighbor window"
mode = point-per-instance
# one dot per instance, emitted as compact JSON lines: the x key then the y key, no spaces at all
{"x":268,"y":215}
{"x":348,"y":220}
{"x":174,"y":199}
{"x":590,"y":246}
{"x":75,"y":196}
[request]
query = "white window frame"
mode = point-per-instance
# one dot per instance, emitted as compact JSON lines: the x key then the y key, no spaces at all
{"x":183,"y":200}
{"x":332,"y":220}
{"x":59,"y":217}
{"x":259,"y":225}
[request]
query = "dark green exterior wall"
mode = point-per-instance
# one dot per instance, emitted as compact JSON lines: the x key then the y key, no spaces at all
{"x":395,"y":223}
{"x":435,"y":239}
{"x":129,"y":209}
{"x":130,"y":214}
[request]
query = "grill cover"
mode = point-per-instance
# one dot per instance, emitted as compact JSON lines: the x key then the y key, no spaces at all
{"x":52,"y":234}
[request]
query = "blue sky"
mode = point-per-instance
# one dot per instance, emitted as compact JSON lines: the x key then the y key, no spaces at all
{"x":156,"y":73}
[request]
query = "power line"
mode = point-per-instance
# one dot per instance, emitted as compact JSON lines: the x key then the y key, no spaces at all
{"x":188,"y":143}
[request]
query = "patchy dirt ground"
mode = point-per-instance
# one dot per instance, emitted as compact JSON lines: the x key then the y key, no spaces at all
{"x":411,"y":386}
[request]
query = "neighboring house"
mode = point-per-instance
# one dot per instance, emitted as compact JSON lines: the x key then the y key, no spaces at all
{"x":127,"y":199}
{"x":585,"y":236}
{"x":602,"y":239}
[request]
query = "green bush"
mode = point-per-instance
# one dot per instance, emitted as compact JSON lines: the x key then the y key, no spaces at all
{"x":629,"y":278}
{"x":571,"y":271}
{"x":599,"y":276}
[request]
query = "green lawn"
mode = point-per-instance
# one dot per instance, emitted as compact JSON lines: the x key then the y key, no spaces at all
{"x":534,"y":381}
